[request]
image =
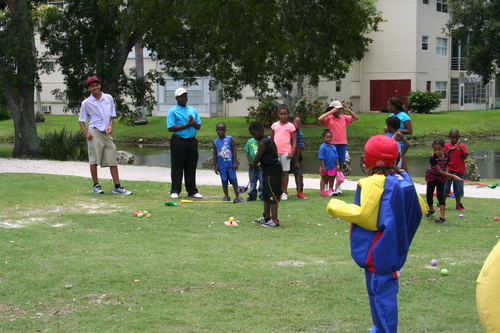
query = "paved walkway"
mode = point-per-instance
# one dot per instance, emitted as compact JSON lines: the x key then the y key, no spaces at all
{"x":162,"y":174}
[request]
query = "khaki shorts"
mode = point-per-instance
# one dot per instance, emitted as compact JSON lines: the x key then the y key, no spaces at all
{"x":102,"y":149}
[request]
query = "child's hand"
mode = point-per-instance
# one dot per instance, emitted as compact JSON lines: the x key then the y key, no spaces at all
{"x":216,"y":169}
{"x":455,"y":177}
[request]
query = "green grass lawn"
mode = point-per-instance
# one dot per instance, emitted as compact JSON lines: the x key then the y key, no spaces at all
{"x":426,"y":127}
{"x":184,"y":270}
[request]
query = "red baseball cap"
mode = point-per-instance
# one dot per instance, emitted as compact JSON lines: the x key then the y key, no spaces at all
{"x":92,"y":79}
{"x":380,"y":151}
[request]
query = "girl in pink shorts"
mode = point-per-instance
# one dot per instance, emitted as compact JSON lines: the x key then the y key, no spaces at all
{"x":329,"y":165}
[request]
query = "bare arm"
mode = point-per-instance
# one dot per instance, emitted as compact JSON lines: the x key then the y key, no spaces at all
{"x":258,"y":156}
{"x":409,"y":128}
{"x":322,"y":118}
{"x":235,"y":156}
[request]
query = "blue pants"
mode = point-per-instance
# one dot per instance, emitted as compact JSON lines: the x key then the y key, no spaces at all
{"x":382,"y":293}
{"x":254,"y":177}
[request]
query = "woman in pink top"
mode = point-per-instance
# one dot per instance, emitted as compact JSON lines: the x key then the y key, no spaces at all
{"x":284,"y":136}
{"x":337,"y":123}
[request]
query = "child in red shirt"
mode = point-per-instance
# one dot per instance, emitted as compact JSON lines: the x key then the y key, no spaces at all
{"x":458,"y":154}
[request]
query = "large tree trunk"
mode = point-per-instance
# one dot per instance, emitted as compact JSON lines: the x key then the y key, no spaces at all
{"x":20,"y":91}
{"x":21,"y":103}
{"x":141,"y":118}
{"x":293,"y":96}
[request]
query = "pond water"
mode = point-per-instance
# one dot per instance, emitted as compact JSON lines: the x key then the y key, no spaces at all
{"x":487,"y":156}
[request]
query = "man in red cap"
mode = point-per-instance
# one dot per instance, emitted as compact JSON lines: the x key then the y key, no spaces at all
{"x":99,"y":110}
{"x":384,"y":218}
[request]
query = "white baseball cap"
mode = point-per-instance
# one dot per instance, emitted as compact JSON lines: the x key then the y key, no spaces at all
{"x":180,"y":91}
{"x":336,"y":104}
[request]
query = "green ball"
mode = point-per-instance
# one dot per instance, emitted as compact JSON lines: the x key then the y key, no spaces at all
{"x":444,"y":271}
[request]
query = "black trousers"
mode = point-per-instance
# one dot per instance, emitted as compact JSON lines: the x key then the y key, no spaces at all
{"x":184,"y":159}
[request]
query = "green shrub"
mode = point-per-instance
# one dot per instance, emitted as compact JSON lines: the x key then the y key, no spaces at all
{"x":64,"y":145}
{"x":5,"y":113}
{"x":266,"y":113}
{"x":423,"y":102}
{"x":310,"y":110}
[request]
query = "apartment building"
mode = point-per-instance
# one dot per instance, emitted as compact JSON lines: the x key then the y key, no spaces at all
{"x":410,"y":52}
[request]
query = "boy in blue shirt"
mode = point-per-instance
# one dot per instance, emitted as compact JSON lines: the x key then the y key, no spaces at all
{"x":226,"y":162}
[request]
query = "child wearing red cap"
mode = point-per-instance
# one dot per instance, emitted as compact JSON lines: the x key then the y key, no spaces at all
{"x":384,"y":218}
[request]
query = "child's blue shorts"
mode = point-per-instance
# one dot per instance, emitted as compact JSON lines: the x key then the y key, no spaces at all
{"x":228,"y":175}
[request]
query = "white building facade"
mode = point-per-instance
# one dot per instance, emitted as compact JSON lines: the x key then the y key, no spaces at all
{"x":410,"y":52}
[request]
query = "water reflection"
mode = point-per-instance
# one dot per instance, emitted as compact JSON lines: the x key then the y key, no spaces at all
{"x":487,"y":157}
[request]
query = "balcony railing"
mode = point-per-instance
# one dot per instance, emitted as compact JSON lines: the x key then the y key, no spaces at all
{"x":458,"y":64}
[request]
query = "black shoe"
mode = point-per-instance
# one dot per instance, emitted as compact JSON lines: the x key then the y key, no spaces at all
{"x":440,"y":220}
{"x":251,"y":199}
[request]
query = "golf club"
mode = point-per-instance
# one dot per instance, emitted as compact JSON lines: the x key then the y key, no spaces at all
{"x":490,"y":186}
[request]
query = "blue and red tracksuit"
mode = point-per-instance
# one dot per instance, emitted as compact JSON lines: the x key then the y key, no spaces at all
{"x":385,"y":216}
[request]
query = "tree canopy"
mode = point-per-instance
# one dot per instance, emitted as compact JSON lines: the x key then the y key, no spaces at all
{"x":477,"y":23}
{"x":236,"y":43}
{"x":255,"y":42}
{"x":95,"y":37}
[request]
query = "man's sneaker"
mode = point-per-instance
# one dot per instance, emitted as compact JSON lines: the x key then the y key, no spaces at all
{"x":174,"y":195}
{"x":97,"y":189}
{"x":226,"y":198}
{"x":121,"y":191}
{"x":251,"y":198}
{"x":272,"y":223}
{"x":325,"y":193}
{"x":430,"y":213}
{"x":301,"y":195}
{"x":239,"y":199}
{"x":461,"y":207}
{"x":439,"y":220}
{"x":197,"y":196}
{"x":284,"y":196}
{"x":261,"y":220}
{"x":338,"y":190}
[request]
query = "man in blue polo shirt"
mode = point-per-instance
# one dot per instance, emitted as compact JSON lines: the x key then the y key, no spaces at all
{"x":184,"y":122}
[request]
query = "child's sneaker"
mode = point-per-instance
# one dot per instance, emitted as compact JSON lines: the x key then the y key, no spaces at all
{"x":338,"y":190}
{"x":331,"y":192}
{"x":121,"y":191}
{"x":325,"y":193}
{"x":461,"y":207}
{"x":284,"y":196}
{"x":301,"y":195}
{"x":97,"y":189}
{"x":226,"y":198}
{"x":430,"y":213}
{"x":440,"y":220}
{"x":239,"y":199}
{"x":261,"y":219}
{"x":272,"y":223}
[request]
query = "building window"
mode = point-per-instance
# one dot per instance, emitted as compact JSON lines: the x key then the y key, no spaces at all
{"x":454,"y":90}
{"x":425,"y":2}
{"x":338,"y":86}
{"x":442,"y":47}
{"x":441,"y":87}
{"x":425,"y":43}
{"x":475,"y":91}
{"x":442,"y":6}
